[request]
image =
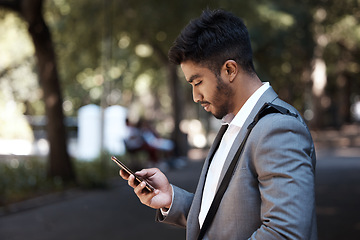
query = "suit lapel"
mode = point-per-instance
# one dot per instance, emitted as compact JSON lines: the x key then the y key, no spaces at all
{"x":193,"y":228}
{"x":268,"y":96}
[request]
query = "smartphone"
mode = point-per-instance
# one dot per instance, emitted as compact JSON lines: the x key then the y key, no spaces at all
{"x":127,"y":170}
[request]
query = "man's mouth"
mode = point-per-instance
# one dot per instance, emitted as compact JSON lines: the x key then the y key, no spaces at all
{"x":206,"y":106}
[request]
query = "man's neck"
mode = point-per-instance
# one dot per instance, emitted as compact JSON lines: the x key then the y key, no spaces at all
{"x":244,"y":88}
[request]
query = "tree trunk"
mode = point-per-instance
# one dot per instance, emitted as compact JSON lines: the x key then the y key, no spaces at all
{"x":59,"y":160}
{"x":179,"y":137}
{"x":344,"y":100}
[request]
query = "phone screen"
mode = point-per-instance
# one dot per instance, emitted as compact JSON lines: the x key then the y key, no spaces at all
{"x":127,"y":170}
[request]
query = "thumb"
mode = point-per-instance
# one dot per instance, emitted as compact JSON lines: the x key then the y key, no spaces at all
{"x":146,"y":173}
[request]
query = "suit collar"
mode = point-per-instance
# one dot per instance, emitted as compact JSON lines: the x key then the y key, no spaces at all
{"x":268,"y":96}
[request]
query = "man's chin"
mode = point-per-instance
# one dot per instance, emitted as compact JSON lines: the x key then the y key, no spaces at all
{"x":218,"y":116}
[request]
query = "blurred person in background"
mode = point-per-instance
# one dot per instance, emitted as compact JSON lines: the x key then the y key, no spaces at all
{"x":141,"y":137}
{"x":134,"y":142}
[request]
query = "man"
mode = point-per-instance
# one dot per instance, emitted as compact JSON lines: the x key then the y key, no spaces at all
{"x":271,"y":192}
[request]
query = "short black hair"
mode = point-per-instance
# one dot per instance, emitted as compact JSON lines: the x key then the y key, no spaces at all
{"x":212,"y":39}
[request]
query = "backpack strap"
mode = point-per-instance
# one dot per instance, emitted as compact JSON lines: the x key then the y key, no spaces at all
{"x":266,"y":109}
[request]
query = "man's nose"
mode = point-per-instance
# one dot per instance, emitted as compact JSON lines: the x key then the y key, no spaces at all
{"x":197,"y":97}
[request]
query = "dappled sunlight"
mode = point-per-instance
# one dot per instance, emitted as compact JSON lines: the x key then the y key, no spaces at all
{"x":22,"y":147}
{"x":144,"y":50}
{"x":13,"y":124}
{"x":13,"y":35}
{"x":277,"y":18}
{"x":143,"y":83}
{"x":319,"y":77}
{"x":15,"y":147}
{"x":124,"y":41}
{"x":195,"y":131}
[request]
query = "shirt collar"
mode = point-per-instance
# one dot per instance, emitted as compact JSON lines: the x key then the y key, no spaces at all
{"x":227,"y":119}
{"x":240,"y":118}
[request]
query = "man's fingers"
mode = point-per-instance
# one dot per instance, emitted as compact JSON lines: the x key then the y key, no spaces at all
{"x":144,"y":195}
{"x":132,"y":182}
{"x":140,"y":188}
{"x":124,"y":174}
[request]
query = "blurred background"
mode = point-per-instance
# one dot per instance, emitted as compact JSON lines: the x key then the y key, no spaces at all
{"x":72,"y":72}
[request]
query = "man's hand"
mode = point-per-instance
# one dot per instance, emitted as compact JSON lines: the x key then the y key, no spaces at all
{"x":161,"y":197}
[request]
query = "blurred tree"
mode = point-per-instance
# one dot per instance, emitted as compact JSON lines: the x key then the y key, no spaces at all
{"x":31,"y":12}
{"x":143,"y":31}
{"x":138,"y":67}
{"x":116,"y":52}
{"x":336,"y":33}
{"x":156,"y":24}
{"x":283,"y":47}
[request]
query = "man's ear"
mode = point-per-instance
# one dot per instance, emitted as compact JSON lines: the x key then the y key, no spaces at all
{"x":231,"y":69}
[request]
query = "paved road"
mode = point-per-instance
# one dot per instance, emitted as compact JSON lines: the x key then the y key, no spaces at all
{"x":115,"y":213}
{"x":338,"y":194}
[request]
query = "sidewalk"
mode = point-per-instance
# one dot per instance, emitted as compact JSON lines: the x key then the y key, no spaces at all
{"x":114,"y":213}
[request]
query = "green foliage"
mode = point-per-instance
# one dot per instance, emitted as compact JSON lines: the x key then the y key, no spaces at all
{"x":114,"y":52}
{"x":24,"y":178}
{"x":21,"y":179}
{"x":87,"y":33}
{"x":19,"y":90}
{"x":96,"y":173}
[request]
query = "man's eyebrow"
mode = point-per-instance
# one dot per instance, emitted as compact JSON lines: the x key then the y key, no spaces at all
{"x":193,"y":77}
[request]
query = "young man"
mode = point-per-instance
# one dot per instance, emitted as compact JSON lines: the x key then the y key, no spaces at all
{"x":271,"y":191}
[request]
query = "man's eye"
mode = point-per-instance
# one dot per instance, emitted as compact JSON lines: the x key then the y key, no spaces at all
{"x":198,"y":83}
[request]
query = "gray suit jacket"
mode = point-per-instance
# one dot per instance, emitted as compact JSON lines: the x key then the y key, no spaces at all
{"x":271,"y":194}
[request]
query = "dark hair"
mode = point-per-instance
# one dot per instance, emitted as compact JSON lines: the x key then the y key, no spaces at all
{"x":212,"y":39}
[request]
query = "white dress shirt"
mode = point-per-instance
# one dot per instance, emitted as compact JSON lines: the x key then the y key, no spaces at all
{"x":235,"y":124}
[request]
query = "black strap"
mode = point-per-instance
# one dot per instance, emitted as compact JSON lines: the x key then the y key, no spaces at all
{"x":267,"y":108}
